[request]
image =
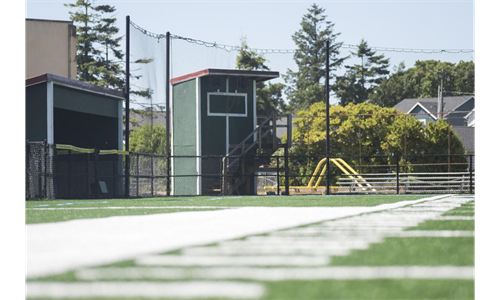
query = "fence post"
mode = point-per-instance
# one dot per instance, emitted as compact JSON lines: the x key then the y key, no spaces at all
{"x":224,"y":175}
{"x":471,"y":166}
{"x":278,"y":174}
{"x":88,"y":175}
{"x":69,"y":174}
{"x":397,"y":174}
{"x":28,"y":168}
{"x":137,"y":175}
{"x":152,"y":176}
{"x":45,"y":174}
{"x":96,"y":162}
{"x":287,"y":174}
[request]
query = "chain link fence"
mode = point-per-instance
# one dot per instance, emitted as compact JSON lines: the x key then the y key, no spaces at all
{"x":55,"y":173}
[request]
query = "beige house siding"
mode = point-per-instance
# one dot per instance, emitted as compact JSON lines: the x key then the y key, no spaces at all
{"x":50,"y":48}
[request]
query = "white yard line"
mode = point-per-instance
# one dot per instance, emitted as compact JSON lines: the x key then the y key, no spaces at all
{"x":131,"y":207}
{"x":181,"y":260}
{"x":282,"y":274}
{"x":59,"y":247}
{"x":455,"y":218}
{"x":178,"y":290}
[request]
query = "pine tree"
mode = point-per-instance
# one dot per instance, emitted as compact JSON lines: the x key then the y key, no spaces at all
{"x":109,"y":63}
{"x":98,"y":55}
{"x":361,"y":80}
{"x":269,"y":96}
{"x":306,"y":86}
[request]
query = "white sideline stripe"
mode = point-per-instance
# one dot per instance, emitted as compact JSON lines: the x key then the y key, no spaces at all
{"x":455,"y":218}
{"x":179,"y":260}
{"x":130,"y":207}
{"x":270,"y":251}
{"x":183,"y":290}
{"x":281,"y":274}
{"x":54,"y":248}
{"x":434,"y":233}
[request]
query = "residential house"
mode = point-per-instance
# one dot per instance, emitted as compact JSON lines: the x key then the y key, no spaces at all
{"x":458,"y":111}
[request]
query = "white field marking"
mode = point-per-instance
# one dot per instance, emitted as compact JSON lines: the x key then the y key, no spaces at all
{"x":340,"y":239}
{"x":434,"y":233}
{"x":207,"y":251}
{"x":455,"y":218}
{"x":180,"y":260}
{"x":282,"y":274}
{"x":330,"y":244}
{"x":326,"y":241}
{"x":179,"y":290}
{"x":54,"y":248}
{"x":131,"y":207}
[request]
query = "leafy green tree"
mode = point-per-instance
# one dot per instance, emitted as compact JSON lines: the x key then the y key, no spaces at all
{"x":307,"y":85}
{"x":360,"y":80}
{"x":422,"y":81}
{"x":269,"y":95}
{"x":366,"y":130}
{"x":147,"y":139}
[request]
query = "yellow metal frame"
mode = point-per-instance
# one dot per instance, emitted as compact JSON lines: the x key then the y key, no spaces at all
{"x":344,"y":167}
{"x":64,"y":149}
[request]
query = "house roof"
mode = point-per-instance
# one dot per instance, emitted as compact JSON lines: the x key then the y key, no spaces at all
{"x":257,"y":75}
{"x":430,"y":104}
{"x":466,"y":135}
{"x":74,"y":84}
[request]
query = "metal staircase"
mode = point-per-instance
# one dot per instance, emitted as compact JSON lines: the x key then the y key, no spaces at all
{"x":255,"y":150}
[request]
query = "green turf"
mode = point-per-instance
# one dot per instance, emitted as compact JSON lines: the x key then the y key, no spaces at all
{"x":46,"y":216}
{"x":372,"y":290}
{"x":235,"y":201}
{"x":445,"y":225}
{"x":163,"y":204}
{"x":390,"y":252}
{"x":421,"y":251}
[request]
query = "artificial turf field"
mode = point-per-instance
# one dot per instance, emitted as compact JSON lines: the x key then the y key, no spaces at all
{"x":419,"y":249}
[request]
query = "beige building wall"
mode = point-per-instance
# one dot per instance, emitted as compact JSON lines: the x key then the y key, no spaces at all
{"x":50,"y":48}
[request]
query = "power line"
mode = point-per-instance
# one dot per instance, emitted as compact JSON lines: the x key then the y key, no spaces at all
{"x":230,"y":48}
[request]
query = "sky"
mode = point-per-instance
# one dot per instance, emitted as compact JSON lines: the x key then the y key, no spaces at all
{"x":270,"y":24}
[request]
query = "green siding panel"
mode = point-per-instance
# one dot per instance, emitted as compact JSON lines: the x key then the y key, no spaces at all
{"x":36,"y":112}
{"x":184,"y":137}
{"x":85,"y":102}
{"x":214,"y":127}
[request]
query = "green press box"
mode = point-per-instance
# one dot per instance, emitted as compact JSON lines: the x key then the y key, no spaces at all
{"x":213,"y":110}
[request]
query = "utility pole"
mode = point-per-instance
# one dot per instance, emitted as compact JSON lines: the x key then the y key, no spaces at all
{"x":440,"y":108}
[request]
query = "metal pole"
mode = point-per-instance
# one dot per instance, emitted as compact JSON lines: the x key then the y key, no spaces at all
{"x":287,"y":174}
{"x":69,"y":174}
{"x":278,"y":174}
{"x":327,"y":96}
{"x":28,"y":171}
{"x":152,"y":176}
{"x":127,"y":106}
{"x":471,"y":157}
{"x":397,"y":175}
{"x":167,"y":109}
{"x":96,"y":172}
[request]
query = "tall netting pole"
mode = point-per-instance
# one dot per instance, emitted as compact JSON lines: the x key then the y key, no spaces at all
{"x":327,"y":88}
{"x":167,"y":110}
{"x":127,"y":106}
